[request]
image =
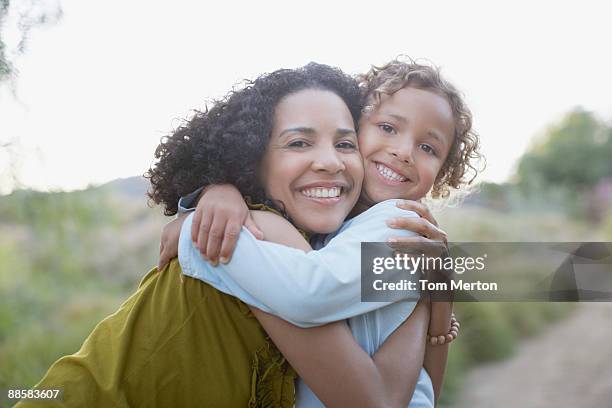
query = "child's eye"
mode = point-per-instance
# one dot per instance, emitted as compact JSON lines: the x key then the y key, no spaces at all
{"x":346,"y":145}
{"x":428,"y":149}
{"x":387,"y":128}
{"x":298,"y":144}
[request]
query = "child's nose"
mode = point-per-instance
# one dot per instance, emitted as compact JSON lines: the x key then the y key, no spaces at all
{"x":404,"y":155}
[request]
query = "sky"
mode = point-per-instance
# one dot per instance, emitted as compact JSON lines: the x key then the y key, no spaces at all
{"x":97,"y":91}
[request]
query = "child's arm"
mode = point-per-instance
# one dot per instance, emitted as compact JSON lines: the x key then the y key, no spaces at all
{"x":306,"y":289}
{"x":436,"y":355}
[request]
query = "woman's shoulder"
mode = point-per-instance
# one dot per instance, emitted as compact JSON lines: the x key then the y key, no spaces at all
{"x":270,"y":217}
{"x":278,"y":230}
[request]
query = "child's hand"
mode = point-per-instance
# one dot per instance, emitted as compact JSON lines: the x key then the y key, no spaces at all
{"x":218,"y":218}
{"x":168,"y":247}
{"x":432,"y":241}
{"x":426,"y":226}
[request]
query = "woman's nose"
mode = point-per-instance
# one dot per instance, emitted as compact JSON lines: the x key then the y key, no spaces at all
{"x":328,"y":160}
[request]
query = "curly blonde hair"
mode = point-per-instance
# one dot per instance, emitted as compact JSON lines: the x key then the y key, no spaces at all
{"x":459,"y":168}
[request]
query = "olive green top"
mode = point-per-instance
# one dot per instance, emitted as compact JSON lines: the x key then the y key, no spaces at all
{"x":176,"y":342}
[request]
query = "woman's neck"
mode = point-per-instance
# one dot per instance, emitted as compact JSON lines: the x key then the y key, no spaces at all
{"x":360,"y":207}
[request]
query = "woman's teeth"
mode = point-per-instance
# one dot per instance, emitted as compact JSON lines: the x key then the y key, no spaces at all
{"x":322,"y":192}
{"x":388,"y":173}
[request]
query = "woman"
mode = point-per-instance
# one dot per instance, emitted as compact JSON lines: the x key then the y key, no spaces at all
{"x":179,"y":342}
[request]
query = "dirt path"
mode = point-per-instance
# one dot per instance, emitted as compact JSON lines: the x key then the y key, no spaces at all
{"x":569,"y":365}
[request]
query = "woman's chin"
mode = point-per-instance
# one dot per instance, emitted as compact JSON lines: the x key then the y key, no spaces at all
{"x":317,"y":224}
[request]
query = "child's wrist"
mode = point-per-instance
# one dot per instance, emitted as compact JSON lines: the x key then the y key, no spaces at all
{"x":440,"y":317}
{"x":450,"y":335}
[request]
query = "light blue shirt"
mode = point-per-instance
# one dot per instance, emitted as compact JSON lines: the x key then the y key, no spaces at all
{"x":314,"y":288}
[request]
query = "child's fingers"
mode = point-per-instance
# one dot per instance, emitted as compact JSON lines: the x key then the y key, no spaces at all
{"x":203,"y":230}
{"x":195,"y":224}
{"x":230,"y":238}
{"x":416,"y":246}
{"x":215,"y":238}
{"x":421,"y":226}
{"x":419,"y":208}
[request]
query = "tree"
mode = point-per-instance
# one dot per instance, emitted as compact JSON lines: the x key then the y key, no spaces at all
{"x":574,"y":154}
{"x":24,"y":15}
{"x":28,"y":15}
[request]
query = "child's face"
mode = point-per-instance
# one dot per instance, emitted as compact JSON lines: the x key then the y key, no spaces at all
{"x":404,"y":142}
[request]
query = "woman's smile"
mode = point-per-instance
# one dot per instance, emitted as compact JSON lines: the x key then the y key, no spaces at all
{"x":325,"y":192}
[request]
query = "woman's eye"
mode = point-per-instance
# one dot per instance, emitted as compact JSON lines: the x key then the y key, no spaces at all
{"x":428,"y":149}
{"x":298,"y":143}
{"x":387,"y":128}
{"x":346,"y":145}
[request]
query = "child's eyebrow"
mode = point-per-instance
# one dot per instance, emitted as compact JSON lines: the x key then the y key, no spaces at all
{"x":395,"y":116}
{"x":435,"y":135}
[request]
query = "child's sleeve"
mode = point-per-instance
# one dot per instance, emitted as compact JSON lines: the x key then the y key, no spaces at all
{"x":306,"y":289}
{"x":189,"y":202}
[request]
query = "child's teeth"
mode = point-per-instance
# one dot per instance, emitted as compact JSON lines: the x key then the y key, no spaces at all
{"x":390,"y":174}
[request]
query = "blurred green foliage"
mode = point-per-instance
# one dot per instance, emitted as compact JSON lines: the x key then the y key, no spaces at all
{"x":575,"y":153}
{"x":66,"y":261}
{"x":570,"y":164}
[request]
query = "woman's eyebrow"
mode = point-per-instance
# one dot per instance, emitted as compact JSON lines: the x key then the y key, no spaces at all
{"x":298,"y":129}
{"x":311,"y":131}
{"x":346,"y":131}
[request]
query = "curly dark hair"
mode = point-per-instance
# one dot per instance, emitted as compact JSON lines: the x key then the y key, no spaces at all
{"x":226,"y":143}
{"x":464,"y":161}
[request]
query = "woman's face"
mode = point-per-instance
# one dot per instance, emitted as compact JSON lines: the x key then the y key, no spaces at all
{"x":404,"y":142}
{"x":312,"y":164}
